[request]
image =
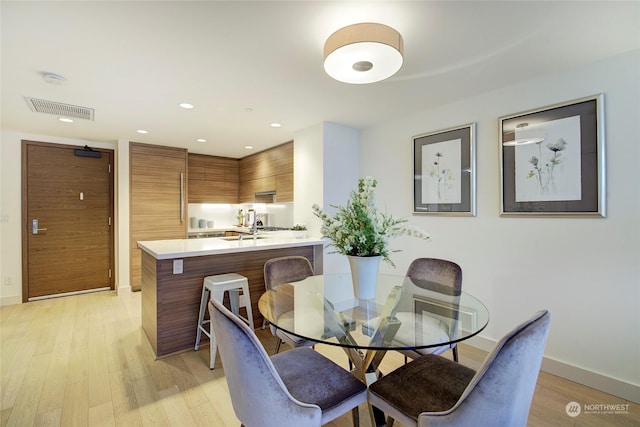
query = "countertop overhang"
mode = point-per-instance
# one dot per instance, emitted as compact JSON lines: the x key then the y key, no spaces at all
{"x":184,"y":248}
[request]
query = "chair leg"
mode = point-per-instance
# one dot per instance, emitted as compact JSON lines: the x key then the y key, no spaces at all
{"x":204,"y":299}
{"x":213,"y":347}
{"x":455,"y":353}
{"x":389,"y":422}
{"x":356,"y":417}
{"x":278,"y":345}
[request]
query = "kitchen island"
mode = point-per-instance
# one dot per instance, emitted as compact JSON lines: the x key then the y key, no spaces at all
{"x":173,"y":272}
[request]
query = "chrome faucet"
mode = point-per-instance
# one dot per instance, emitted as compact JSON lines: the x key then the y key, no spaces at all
{"x":255,"y":224}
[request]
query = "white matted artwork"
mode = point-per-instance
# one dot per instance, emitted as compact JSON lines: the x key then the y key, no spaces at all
{"x":549,"y":169}
{"x":441,"y":172}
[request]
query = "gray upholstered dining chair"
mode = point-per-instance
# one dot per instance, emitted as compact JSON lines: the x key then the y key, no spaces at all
{"x":439,"y":275}
{"x":434,"y":391}
{"x":295,"y":388}
{"x":284,"y":270}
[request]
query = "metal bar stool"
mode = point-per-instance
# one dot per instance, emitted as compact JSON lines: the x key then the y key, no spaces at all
{"x":214,"y":287}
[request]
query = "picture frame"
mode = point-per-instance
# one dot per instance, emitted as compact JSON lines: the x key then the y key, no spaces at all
{"x":552,"y":160}
{"x":444,"y":172}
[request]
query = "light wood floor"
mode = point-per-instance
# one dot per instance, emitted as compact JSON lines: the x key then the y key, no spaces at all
{"x":84,"y":361}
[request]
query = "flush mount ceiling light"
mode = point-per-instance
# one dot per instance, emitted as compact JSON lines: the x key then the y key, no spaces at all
{"x":363,"y":53}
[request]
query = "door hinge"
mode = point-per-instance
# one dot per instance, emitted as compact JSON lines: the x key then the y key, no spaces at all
{"x":109,"y":168}
{"x":109,"y":273}
{"x":109,"y":221}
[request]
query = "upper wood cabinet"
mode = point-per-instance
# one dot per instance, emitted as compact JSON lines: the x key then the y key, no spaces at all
{"x":269,"y":170}
{"x":213,"y":179}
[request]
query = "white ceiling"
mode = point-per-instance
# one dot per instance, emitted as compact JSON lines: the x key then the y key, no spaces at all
{"x":134,"y":62}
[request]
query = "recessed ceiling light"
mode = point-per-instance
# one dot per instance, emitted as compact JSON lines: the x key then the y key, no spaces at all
{"x":201,"y":140}
{"x":275,"y":125}
{"x":142,"y":131}
{"x":65,"y":119}
{"x":186,"y":106}
{"x":248,"y":110}
{"x":248,"y":147}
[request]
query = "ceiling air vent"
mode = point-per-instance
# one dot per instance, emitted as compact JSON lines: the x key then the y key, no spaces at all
{"x":59,"y":109}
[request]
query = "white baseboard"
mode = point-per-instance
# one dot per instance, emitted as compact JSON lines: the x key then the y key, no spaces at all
{"x":582,"y":376}
{"x":10,"y":300}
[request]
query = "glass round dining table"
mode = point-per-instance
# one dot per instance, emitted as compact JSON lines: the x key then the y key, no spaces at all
{"x":405,"y":314}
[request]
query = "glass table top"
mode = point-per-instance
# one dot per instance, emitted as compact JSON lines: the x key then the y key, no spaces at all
{"x":404,"y":314}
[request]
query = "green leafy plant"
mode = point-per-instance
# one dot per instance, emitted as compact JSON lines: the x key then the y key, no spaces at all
{"x":359,"y":229}
{"x":298,"y":227}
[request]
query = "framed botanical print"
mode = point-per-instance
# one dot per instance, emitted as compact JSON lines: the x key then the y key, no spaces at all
{"x":444,"y":166}
{"x":552,"y":160}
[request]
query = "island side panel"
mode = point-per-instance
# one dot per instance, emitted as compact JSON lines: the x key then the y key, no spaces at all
{"x":178,"y":295}
{"x":149,"y":299}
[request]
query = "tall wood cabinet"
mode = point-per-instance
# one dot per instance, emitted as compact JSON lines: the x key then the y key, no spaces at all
{"x":213,"y":179}
{"x":157,"y":198}
{"x":269,"y":170}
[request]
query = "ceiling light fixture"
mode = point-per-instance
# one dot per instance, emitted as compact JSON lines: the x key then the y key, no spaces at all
{"x":248,"y":147}
{"x":142,"y":131}
{"x":201,"y":140}
{"x":363,"y":53}
{"x":275,"y":125}
{"x":186,"y":106}
{"x":65,"y":120}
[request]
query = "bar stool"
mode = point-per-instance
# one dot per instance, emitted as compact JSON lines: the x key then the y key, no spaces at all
{"x":214,"y":287}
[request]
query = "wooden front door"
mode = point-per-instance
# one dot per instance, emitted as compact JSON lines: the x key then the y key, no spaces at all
{"x":68,"y":220}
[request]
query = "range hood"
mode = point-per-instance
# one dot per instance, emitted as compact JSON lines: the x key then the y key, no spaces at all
{"x":265,"y":196}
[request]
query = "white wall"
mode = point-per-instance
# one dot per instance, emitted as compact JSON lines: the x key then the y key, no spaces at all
{"x":586,"y":271}
{"x":326,"y":170}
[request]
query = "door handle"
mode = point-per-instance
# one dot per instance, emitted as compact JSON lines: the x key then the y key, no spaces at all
{"x":34,"y":227}
{"x":181,"y":198}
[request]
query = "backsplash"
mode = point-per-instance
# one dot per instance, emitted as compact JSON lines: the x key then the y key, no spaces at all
{"x":224,"y":215}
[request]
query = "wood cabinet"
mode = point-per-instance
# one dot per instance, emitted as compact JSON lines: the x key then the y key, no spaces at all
{"x":269,"y":170}
{"x":213,"y":179}
{"x":157,"y":199}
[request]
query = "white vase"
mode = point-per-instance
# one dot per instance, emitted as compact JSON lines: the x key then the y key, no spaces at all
{"x":364,"y":274}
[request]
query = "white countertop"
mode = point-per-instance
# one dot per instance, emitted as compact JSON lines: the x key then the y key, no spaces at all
{"x":184,"y":248}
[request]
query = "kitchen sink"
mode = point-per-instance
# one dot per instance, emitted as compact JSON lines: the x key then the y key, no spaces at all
{"x":230,"y":238}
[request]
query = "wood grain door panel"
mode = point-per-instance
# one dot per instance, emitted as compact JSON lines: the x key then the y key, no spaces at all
{"x":156,"y":190}
{"x":72,"y":199}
